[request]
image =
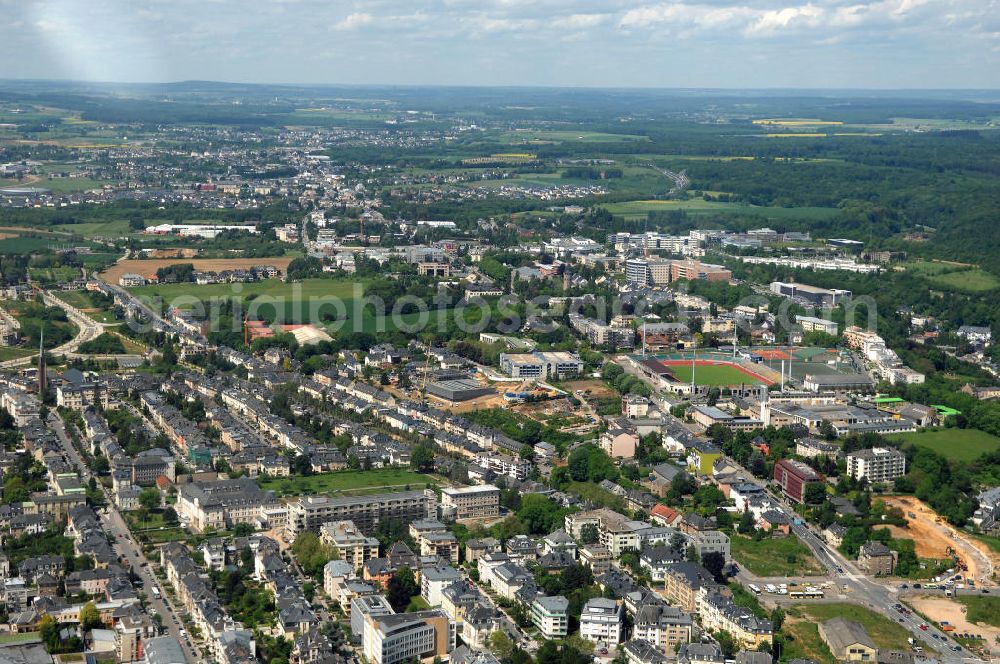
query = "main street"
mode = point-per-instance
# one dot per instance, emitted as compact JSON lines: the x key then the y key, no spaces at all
{"x":854,"y":586}
{"x":127,"y":548}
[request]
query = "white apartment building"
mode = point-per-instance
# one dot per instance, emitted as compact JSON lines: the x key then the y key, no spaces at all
{"x":876,"y":465}
{"x":550,"y":616}
{"x":601,"y":621}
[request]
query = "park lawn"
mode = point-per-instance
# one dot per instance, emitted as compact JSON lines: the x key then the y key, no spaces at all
{"x":718,"y":376}
{"x":346,"y":481}
{"x":775,"y":556}
{"x":955,"y":444}
{"x":802,"y":630}
{"x":981,"y":609}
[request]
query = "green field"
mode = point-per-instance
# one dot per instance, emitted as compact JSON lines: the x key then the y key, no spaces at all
{"x":955,"y":444}
{"x":14,"y":353}
{"x":634,"y":209}
{"x":24,"y":245}
{"x":717,"y":376}
{"x":299,"y":302}
{"x":86,"y":302}
{"x":968,"y":281}
{"x":802,"y":630}
{"x":347,"y":481}
{"x":775,"y":556}
{"x":952,"y":276}
{"x":982,"y":609}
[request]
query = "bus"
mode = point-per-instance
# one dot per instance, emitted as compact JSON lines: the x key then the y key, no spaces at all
{"x":754,"y":588}
{"x":156,"y":592}
{"x":806,"y":594}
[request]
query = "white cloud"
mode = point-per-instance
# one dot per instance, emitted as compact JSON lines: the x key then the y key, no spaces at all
{"x":354,"y":21}
{"x":771,"y":21}
{"x":580,"y":21}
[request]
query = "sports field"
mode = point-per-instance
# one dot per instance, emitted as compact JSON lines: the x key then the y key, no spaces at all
{"x":711,"y":373}
{"x":955,"y":444}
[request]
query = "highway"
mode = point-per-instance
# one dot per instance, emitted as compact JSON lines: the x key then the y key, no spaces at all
{"x":127,"y":548}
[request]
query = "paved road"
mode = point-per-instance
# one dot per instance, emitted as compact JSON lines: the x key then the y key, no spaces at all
{"x":126,"y":547}
{"x":853,"y":586}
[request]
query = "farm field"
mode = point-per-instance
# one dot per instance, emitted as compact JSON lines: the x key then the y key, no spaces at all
{"x":566,"y":135}
{"x":642,"y":208}
{"x":394,"y":479}
{"x":775,"y":556}
{"x":145,"y":267}
{"x":955,"y":444}
{"x":802,"y":620}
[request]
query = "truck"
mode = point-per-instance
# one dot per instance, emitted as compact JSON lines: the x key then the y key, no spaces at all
{"x":156,"y":592}
{"x":771,"y":588}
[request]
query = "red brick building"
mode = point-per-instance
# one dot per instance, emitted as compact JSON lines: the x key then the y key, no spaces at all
{"x":794,"y":476}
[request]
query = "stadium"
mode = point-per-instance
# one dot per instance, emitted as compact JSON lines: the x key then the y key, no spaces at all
{"x":748,"y":372}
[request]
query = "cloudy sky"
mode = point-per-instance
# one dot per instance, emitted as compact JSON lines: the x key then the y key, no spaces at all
{"x":633,"y":43}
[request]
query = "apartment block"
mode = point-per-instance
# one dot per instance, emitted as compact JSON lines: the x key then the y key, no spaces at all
{"x":471,"y":502}
{"x":311,"y":512}
{"x":876,"y":465}
{"x":602,"y":621}
{"x":550,"y":615}
{"x":349,"y":543}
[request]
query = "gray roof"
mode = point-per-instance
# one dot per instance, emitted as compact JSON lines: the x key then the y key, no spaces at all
{"x":164,"y":650}
{"x":840,"y":633}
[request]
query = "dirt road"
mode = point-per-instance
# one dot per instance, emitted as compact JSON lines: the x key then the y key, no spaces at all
{"x":933,"y":537}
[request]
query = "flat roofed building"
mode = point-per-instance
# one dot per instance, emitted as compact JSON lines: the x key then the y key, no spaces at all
{"x":602,"y":621}
{"x":550,"y":615}
{"x":813,"y":324}
{"x":814,"y":295}
{"x":471,"y":502}
{"x":408,"y":636}
{"x":876,"y":465}
{"x":311,"y":512}
{"x":457,"y":389}
{"x":793,"y":477}
{"x":349,"y":543}
{"x":541,"y":365}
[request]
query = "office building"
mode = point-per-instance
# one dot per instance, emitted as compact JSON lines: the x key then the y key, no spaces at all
{"x":403,"y":637}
